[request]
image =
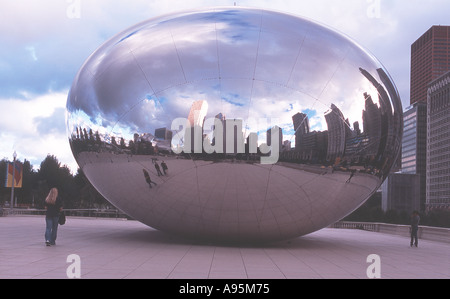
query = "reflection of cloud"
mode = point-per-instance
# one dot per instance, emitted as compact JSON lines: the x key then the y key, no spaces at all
{"x":46,"y":27}
{"x":32,"y":51}
{"x":316,"y":123}
{"x":247,"y":64}
{"x":233,"y":97}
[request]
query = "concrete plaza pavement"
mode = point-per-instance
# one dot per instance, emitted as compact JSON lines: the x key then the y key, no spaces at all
{"x":126,"y":249}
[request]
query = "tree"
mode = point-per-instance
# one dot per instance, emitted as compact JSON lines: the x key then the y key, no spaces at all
{"x":88,"y":196}
{"x":52,"y":174}
{"x":76,"y":191}
{"x":3,"y":191}
{"x":437,"y":218}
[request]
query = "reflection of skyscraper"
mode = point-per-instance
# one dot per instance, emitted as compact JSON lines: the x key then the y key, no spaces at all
{"x":219,"y":137}
{"x":314,"y":146}
{"x":197,"y":113}
{"x":396,"y":127}
{"x":356,"y":128}
{"x":233,"y":136}
{"x":251,"y":146}
{"x":301,"y":127}
{"x":429,"y":60}
{"x":286,"y":145}
{"x":163,"y":133}
{"x":309,"y":146}
{"x":221,"y":116}
{"x":280,"y":137}
{"x":391,"y":124}
{"x":193,"y":137}
{"x":336,"y":133}
{"x":228,"y":135}
{"x":372,"y":125}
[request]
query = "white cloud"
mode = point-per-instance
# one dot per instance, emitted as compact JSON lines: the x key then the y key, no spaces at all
{"x":42,"y":45}
{"x":46,"y":27}
{"x":19,"y":129}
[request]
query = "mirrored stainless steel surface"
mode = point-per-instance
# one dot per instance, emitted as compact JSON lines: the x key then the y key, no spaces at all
{"x":271,"y":126}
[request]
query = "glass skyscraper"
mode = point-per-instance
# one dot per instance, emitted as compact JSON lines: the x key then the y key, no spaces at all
{"x":414,"y":146}
{"x":429,"y":60}
{"x":438,"y":154}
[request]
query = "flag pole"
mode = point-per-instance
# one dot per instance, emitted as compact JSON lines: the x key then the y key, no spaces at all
{"x":12,"y":185}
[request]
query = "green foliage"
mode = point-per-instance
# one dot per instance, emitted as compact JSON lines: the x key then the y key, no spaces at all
{"x":438,"y":218}
{"x":371,"y":212}
{"x":76,"y":191}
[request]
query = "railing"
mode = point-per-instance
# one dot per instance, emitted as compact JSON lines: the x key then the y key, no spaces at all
{"x":96,"y":213}
{"x":374,"y":227}
{"x":425,"y":232}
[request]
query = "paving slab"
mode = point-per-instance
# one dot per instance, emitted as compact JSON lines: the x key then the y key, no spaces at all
{"x":126,"y":249}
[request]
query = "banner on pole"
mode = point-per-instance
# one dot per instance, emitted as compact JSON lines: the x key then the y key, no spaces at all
{"x":17,"y":172}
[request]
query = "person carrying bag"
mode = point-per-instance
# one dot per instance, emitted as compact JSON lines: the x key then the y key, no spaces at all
{"x":53,"y":206}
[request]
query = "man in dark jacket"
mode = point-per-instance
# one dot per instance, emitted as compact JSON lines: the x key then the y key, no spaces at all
{"x":415,"y":219}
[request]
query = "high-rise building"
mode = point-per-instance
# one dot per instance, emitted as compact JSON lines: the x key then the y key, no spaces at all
{"x":337,"y":129}
{"x":193,"y":137}
{"x":430,"y":58}
{"x":273,"y":131}
{"x":197,"y":113}
{"x":163,"y":133}
{"x":301,"y":127}
{"x":414,"y":145}
{"x":372,"y":125}
{"x":438,"y":144}
{"x":233,"y":136}
{"x":389,"y":144}
{"x":219,"y":134}
{"x":400,"y":192}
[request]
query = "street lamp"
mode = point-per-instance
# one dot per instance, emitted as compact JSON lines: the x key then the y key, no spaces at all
{"x":13,"y":175}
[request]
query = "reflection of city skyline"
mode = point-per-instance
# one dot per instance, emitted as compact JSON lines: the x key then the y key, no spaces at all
{"x":339,"y":144}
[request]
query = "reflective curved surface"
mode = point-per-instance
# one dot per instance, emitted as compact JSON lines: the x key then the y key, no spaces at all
{"x":234,"y":124}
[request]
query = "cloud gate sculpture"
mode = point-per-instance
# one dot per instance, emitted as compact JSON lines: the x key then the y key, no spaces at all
{"x":234,"y":124}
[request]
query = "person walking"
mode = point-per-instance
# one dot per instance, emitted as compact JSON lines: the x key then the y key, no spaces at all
{"x":351,"y":175}
{"x":164,"y":167}
{"x":53,"y":206}
{"x":147,"y":178}
{"x":158,"y":170}
{"x":415,"y":219}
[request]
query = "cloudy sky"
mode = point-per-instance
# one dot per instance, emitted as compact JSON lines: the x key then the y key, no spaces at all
{"x":44,"y":43}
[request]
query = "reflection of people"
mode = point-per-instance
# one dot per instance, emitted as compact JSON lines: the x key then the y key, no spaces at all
{"x":53,"y":206}
{"x":148,"y":179}
{"x":158,"y":170}
{"x":164,"y":167}
{"x":414,"y":228}
{"x":351,"y":175}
